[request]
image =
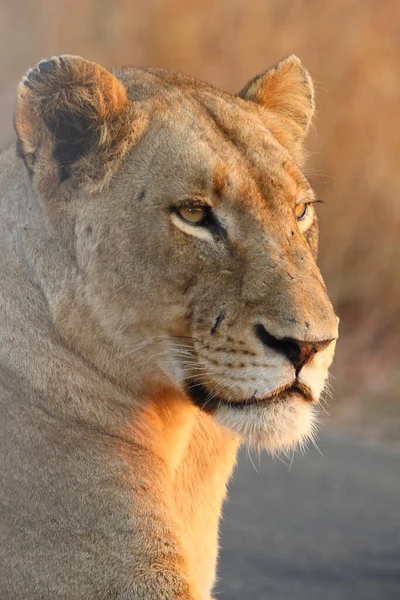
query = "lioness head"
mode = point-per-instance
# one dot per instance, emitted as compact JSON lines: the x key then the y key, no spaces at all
{"x":190,"y":232}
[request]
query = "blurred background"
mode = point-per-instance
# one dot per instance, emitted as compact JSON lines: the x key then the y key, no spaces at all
{"x":333,"y":530}
{"x":352,"y":49}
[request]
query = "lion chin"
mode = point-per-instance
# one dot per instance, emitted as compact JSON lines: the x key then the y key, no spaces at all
{"x":279,"y":422}
{"x":278,"y":426}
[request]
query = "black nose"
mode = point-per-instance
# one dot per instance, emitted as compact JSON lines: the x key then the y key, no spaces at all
{"x":297,"y":351}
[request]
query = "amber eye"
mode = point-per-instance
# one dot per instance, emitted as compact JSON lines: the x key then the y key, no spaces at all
{"x":196,"y":215}
{"x":301,"y":211}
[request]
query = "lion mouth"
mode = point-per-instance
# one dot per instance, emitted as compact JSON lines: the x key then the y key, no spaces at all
{"x":209,"y":402}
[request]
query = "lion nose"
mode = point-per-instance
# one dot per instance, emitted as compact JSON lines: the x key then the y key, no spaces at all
{"x":299,"y":352}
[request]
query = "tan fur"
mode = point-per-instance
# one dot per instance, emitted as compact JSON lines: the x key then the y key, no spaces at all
{"x":114,"y":311}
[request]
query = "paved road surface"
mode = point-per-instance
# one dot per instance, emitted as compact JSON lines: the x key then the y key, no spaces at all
{"x":327,"y":529}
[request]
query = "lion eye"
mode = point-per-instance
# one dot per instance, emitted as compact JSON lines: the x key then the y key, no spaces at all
{"x":196,"y":215}
{"x":301,"y":211}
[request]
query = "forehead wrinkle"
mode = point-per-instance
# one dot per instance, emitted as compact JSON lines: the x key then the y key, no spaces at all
{"x":227,"y":160}
{"x":241,"y":163}
{"x":220,"y":179}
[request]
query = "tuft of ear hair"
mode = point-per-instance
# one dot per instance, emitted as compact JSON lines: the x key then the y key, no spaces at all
{"x":285,"y":90}
{"x":73,"y":118}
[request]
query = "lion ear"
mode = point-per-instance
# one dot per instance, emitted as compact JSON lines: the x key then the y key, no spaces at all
{"x":287,"y":91}
{"x":73,"y":119}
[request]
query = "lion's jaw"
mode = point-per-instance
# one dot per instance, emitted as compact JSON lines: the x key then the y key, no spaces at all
{"x":282,"y":419}
{"x":253,"y":393}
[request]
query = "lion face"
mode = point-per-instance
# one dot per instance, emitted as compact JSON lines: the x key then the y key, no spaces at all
{"x":198,"y":256}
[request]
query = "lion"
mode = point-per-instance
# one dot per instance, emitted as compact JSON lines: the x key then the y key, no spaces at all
{"x":160,"y":306}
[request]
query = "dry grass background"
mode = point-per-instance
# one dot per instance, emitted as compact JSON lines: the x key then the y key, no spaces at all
{"x":352,"y":49}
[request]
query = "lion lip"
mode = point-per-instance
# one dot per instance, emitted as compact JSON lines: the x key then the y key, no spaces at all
{"x":280,"y":394}
{"x":208,"y":403}
{"x":294,"y":388}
